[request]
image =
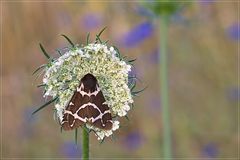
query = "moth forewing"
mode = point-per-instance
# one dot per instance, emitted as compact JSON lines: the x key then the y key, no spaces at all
{"x":87,"y":105}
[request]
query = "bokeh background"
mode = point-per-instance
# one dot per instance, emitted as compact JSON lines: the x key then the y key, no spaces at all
{"x":202,"y":58}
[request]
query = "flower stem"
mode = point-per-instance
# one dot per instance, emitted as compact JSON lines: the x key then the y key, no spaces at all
{"x":85,"y":144}
{"x":163,"y":68}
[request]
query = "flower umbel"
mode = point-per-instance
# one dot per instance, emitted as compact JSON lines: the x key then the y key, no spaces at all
{"x":62,"y":77}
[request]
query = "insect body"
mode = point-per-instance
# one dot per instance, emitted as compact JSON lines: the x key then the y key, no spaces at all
{"x":87,"y":106}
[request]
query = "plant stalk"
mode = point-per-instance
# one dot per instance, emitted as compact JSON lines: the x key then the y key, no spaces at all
{"x":163,"y":68}
{"x":85,"y":144}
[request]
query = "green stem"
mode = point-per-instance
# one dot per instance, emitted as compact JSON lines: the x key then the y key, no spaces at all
{"x":85,"y":144}
{"x":163,"y":68}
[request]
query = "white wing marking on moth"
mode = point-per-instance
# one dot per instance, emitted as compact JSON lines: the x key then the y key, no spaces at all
{"x":83,"y":93}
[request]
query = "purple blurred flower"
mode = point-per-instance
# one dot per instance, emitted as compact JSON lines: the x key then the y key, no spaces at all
{"x":91,"y":21}
{"x":137,"y":34}
{"x":71,"y":150}
{"x":210,"y":150}
{"x":233,"y":94}
{"x":133,"y":140}
{"x":28,"y":122}
{"x":27,"y":115}
{"x":234,"y":31}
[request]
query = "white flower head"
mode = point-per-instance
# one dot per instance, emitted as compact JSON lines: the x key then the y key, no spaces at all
{"x":62,"y":78}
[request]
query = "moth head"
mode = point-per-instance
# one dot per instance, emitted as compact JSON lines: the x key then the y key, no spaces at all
{"x":89,"y":82}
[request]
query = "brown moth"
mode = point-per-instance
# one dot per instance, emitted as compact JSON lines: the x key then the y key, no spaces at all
{"x":87,"y":106}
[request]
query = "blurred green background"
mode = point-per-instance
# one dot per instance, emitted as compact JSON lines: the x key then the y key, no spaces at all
{"x":202,"y":54}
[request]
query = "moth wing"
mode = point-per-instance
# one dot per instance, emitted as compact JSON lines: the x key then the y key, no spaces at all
{"x":71,"y":119}
{"x":87,"y":106}
{"x":104,"y":119}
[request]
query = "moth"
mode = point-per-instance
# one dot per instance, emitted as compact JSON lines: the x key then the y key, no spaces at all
{"x":87,"y":106}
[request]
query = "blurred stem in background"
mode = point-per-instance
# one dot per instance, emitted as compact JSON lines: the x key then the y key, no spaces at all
{"x":163,"y":68}
{"x":162,"y":11}
{"x":85,"y":144}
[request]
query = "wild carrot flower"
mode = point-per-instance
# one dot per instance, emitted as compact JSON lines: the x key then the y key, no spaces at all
{"x":63,"y":74}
